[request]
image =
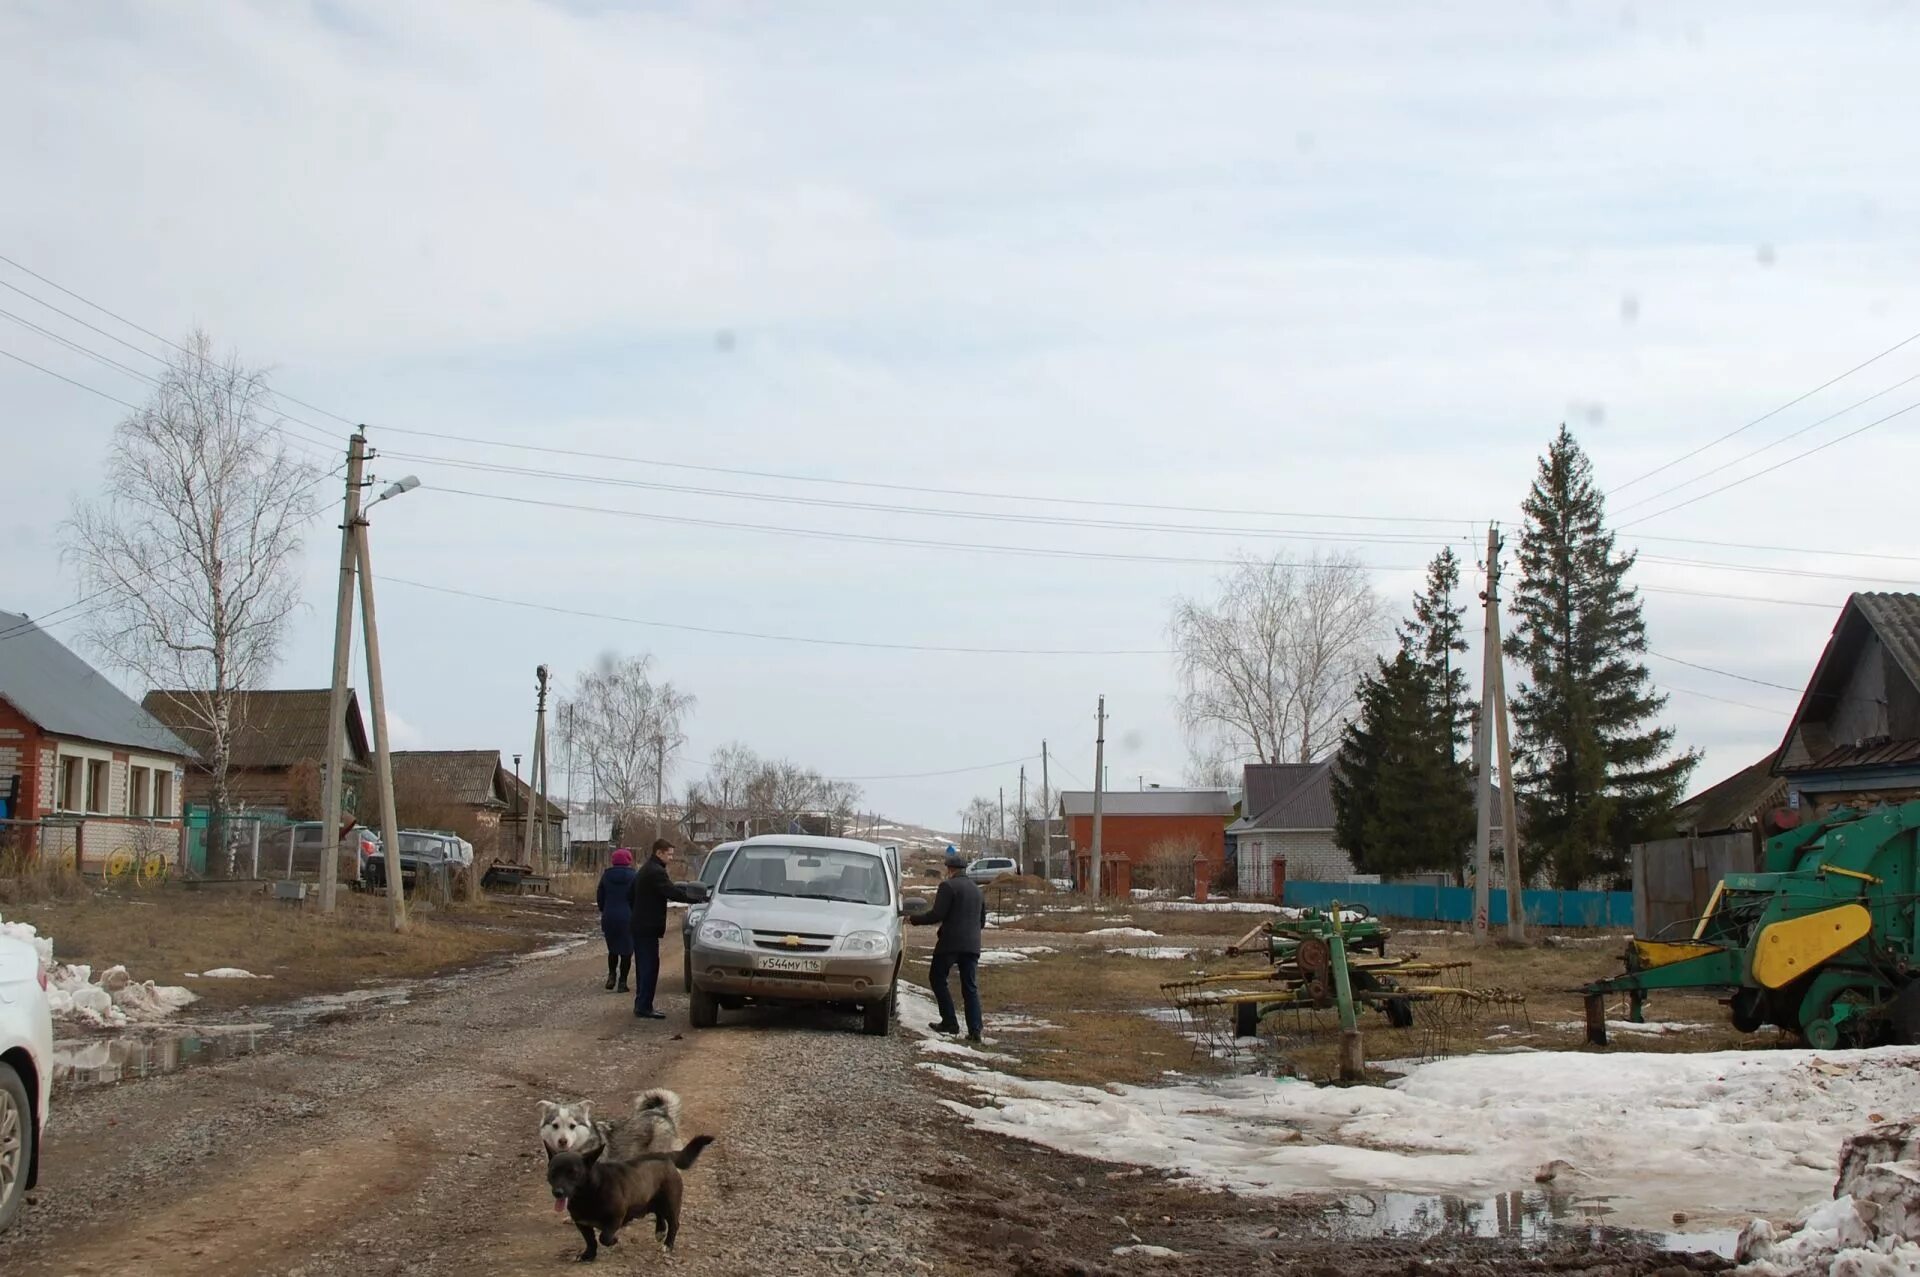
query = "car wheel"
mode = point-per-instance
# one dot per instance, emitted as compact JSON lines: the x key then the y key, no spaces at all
{"x":16,"y":1143}
{"x":876,"y":1018}
{"x":703,"y":1012}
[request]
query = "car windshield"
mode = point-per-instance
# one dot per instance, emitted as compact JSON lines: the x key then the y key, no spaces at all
{"x":809,"y":873}
{"x":422,"y":845}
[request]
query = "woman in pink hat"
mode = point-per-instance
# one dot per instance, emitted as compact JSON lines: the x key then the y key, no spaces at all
{"x":616,"y":915}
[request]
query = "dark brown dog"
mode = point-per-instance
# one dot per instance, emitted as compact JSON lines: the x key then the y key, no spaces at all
{"x":603,"y":1195}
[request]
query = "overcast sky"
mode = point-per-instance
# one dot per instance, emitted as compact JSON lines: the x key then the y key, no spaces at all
{"x":1312,"y":259}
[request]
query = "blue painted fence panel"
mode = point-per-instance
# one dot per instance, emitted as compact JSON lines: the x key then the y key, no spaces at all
{"x":1613,"y":909}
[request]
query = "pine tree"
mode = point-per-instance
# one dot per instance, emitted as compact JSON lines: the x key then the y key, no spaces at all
{"x":1402,"y":801}
{"x":1593,"y":773}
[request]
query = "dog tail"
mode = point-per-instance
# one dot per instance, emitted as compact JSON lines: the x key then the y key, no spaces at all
{"x":658,"y":1100}
{"x":687,"y":1156}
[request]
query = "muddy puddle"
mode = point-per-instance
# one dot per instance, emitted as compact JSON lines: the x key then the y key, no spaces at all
{"x":1532,"y":1216}
{"x":129,"y":1055}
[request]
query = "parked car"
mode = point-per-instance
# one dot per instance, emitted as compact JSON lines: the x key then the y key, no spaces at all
{"x":987,"y":868}
{"x":297,"y":849}
{"x":420,"y":849}
{"x":26,"y":1071}
{"x":709,"y":877}
{"x":802,"y":921}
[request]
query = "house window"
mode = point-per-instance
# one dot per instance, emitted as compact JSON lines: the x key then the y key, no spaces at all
{"x":73,"y":776}
{"x":163,"y":794}
{"x":99,"y":770}
{"x":139,"y":791}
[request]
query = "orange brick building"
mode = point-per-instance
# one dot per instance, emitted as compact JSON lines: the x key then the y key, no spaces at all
{"x":1143,"y":832}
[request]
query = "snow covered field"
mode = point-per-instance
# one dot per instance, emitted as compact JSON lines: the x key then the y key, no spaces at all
{"x":1636,"y":1136}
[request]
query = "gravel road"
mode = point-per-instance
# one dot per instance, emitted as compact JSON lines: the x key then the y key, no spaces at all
{"x":404,"y":1141}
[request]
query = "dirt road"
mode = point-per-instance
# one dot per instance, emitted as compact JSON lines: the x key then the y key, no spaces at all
{"x":405,"y":1142}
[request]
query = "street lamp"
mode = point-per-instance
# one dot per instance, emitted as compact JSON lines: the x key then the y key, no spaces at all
{"x":405,"y":485}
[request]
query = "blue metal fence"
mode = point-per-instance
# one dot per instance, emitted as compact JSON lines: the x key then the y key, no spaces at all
{"x":1455,"y":904}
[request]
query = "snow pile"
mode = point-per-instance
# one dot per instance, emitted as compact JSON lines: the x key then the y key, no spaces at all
{"x":1018,"y":953}
{"x":1122,"y":931}
{"x":116,"y":998}
{"x":1650,"y":1028}
{"x":1870,"y":1228}
{"x":1157,"y":951}
{"x":226,"y":973}
{"x":1652,"y":1134}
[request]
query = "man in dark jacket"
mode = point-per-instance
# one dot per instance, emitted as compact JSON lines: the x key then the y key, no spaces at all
{"x":652,"y":888}
{"x":960,"y":911}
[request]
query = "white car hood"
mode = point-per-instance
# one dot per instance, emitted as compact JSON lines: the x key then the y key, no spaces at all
{"x":19,"y":961}
{"x":790,"y":913}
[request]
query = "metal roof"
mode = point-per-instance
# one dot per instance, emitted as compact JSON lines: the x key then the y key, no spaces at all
{"x":272,"y":727}
{"x":1734,"y":803}
{"x":1305,"y":798}
{"x":1149,"y":802}
{"x":66,"y":696}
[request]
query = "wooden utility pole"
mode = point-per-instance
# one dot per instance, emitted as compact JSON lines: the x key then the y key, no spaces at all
{"x":1483,"y":740}
{"x":1099,"y":783}
{"x":533,"y":772}
{"x":382,"y":754}
{"x":1020,"y":813}
{"x":1003,"y":819}
{"x":333,"y":778}
{"x":540,"y":761}
{"x":1046,"y":815}
{"x":1503,"y":748}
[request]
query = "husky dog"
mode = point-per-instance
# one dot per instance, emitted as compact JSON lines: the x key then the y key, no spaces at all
{"x":604,"y":1195}
{"x":652,"y":1127}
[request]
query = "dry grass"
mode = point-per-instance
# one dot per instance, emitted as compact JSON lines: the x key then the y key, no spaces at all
{"x":162,"y":933}
{"x":1099,"y":1000}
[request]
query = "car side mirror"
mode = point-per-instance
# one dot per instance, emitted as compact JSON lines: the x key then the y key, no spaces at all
{"x":913,"y":906}
{"x":698,"y":892}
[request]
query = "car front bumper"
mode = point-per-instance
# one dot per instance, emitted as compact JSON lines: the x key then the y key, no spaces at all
{"x":841,"y":978}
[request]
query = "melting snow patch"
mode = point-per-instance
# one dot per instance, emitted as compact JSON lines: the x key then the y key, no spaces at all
{"x":1652,"y":1028}
{"x":226,"y":973}
{"x":1148,"y":1252}
{"x":1122,"y":931}
{"x":1018,"y":953}
{"x":941,"y":1046}
{"x":1652,"y":1134}
{"x":115,"y":999}
{"x":1158,"y":951}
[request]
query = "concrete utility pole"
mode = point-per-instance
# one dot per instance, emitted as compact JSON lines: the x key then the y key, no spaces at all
{"x":1099,"y":778}
{"x":1021,"y":813}
{"x":1509,"y":823}
{"x":334,"y":778}
{"x":382,"y":755}
{"x":659,"y":782}
{"x":1003,"y":818}
{"x":534,"y":785}
{"x":1046,"y":815}
{"x":1483,"y":739}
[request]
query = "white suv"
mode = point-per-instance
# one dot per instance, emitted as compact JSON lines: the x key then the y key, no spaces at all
{"x":26,"y":1071}
{"x":987,"y":868}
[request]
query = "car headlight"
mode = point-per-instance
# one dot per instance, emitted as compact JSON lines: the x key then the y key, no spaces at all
{"x":723,"y":932}
{"x":865,"y":942}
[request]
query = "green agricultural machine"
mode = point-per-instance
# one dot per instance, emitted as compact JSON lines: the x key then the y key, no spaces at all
{"x":1824,"y":942}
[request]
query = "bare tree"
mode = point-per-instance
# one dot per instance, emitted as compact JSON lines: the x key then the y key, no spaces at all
{"x":977,"y":821}
{"x":1269,"y":667}
{"x":193,"y":549}
{"x":627,"y":729}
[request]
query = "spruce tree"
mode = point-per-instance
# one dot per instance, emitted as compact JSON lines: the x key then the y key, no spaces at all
{"x":1594,"y":772}
{"x":1402,"y":801}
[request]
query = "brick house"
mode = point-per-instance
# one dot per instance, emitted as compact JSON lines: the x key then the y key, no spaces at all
{"x":1139,"y":827}
{"x":279,"y":746}
{"x":1855,"y":738}
{"x":80,"y":756}
{"x":468,"y":792}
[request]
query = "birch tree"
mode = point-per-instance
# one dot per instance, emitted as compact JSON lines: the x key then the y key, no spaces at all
{"x":192,"y":552}
{"x":628,"y":729}
{"x":1268,"y":667}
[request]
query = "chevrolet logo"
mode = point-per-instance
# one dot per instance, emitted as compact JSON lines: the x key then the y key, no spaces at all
{"x":792,"y":942}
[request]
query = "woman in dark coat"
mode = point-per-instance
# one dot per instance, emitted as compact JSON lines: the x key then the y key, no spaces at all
{"x":616,"y":916}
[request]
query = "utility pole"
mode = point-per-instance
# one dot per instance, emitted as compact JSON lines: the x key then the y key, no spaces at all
{"x":533,"y":774}
{"x":1003,"y":819}
{"x":1483,"y":739}
{"x":1509,"y":824}
{"x":1021,"y":813}
{"x":1099,"y":778}
{"x":382,"y":755}
{"x":333,"y":779}
{"x":1046,"y":816}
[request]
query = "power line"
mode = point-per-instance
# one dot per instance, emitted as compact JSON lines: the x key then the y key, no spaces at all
{"x":1898,"y":412}
{"x":1808,"y":573}
{"x":1735,"y":598}
{"x":992,"y":516}
{"x":1709,"y":669}
{"x":874,"y":538}
{"x":1765,"y":448}
{"x":1780,"y":549}
{"x":1907,"y":340}
{"x":776,"y":638}
{"x":1707,"y":696}
{"x":92,"y":390}
{"x":952,"y":771}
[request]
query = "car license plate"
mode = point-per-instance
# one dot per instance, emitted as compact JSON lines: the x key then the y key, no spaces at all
{"x":781,"y":962}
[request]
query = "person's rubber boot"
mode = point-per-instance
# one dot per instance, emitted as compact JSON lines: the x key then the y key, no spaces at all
{"x":611,"y":963}
{"x":938,"y":1027}
{"x":626,"y":965}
